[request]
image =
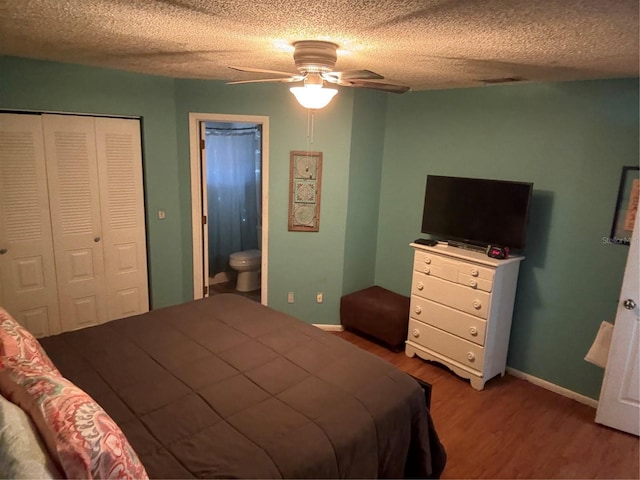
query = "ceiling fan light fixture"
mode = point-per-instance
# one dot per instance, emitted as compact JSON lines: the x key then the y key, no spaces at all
{"x":313,"y":96}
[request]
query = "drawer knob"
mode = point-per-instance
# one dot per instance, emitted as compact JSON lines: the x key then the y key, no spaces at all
{"x":477,"y":305}
{"x":418,"y":309}
{"x":427,"y":260}
{"x":473,"y":331}
{"x":471,"y":357}
{"x":474,"y":272}
{"x":427,"y":270}
{"x":420,"y":286}
{"x":473,"y":283}
{"x":415,"y":333}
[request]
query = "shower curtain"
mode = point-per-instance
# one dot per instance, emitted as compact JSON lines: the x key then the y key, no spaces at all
{"x":233,"y":191}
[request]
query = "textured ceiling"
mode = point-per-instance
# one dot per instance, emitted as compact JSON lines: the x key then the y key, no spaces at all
{"x":424,"y":44}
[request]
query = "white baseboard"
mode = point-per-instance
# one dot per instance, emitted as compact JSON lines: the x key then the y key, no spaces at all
{"x":554,"y":388}
{"x":329,"y":328}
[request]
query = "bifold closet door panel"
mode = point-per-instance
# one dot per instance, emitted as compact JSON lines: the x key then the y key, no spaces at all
{"x":28,"y":287}
{"x":74,"y":199}
{"x":123,"y":224}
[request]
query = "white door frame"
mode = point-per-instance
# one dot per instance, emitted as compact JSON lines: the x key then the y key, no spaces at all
{"x":619,"y":404}
{"x":198,"y":185}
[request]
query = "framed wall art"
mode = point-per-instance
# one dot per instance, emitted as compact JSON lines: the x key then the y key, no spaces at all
{"x":626,"y":206}
{"x":305,"y":181}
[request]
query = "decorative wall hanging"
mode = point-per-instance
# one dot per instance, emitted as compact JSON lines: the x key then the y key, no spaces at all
{"x":626,"y":206}
{"x":305,"y":179}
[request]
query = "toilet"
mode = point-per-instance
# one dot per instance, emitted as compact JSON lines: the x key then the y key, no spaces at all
{"x":247,"y":263}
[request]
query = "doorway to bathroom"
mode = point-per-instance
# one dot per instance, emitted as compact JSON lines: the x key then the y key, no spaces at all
{"x":229,"y":188}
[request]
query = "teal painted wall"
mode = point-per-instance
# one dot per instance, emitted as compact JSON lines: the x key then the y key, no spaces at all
{"x":571,"y":140}
{"x":367,"y":142}
{"x":47,"y":86}
{"x":301,"y":262}
{"x":304,"y":263}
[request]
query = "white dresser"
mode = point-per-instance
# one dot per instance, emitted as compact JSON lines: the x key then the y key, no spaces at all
{"x":461,"y":309}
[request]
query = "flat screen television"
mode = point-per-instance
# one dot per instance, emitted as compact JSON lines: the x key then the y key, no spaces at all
{"x":477,"y":211}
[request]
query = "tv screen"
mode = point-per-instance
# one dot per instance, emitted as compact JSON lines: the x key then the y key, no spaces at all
{"x":477,"y":211}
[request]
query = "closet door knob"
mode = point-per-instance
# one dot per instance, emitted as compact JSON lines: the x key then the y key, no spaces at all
{"x":97,"y":239}
{"x":3,"y":251}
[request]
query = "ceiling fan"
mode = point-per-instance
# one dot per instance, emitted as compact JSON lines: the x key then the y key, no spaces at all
{"x":315,"y":60}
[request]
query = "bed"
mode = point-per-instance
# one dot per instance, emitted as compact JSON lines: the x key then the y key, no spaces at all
{"x":227,"y":388}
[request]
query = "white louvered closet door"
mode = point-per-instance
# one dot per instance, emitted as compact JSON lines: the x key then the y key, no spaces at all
{"x":74,"y":199}
{"x":28,"y":287}
{"x":72,"y":228}
{"x":123,"y":225}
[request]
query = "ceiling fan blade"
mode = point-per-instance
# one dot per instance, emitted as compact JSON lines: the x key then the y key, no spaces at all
{"x":260,"y":70}
{"x":297,"y":78}
{"x":336,"y":77}
{"x":386,"y":87}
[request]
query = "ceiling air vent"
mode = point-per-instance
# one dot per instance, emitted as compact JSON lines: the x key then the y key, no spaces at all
{"x":494,"y":81}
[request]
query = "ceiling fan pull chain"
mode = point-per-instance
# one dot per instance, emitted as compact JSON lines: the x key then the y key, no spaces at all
{"x":310,"y":117}
{"x":313,"y":116}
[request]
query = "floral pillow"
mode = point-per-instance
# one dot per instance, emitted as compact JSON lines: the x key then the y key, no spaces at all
{"x":19,"y":347}
{"x":77,"y":431}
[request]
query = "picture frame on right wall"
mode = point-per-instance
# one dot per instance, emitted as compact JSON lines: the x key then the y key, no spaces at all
{"x":626,"y":210}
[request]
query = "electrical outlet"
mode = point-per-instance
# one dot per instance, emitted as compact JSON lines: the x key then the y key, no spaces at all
{"x":290,"y":297}
{"x":319,"y":297}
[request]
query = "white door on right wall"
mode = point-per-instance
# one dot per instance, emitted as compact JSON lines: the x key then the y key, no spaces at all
{"x":619,"y":404}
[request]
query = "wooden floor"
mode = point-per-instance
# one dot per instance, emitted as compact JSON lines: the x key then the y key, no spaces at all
{"x":514,"y":429}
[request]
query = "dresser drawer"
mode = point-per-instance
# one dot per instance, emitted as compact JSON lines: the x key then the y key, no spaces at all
{"x":466,"y":353}
{"x":463,"y":298}
{"x":457,"y":271}
{"x":436,"y":266}
{"x":474,"y":282}
{"x":448,"y":319}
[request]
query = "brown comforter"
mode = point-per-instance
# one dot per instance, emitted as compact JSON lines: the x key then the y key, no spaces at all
{"x":224,"y":387}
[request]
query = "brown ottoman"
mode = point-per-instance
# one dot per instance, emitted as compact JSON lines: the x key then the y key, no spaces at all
{"x":377,"y":312}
